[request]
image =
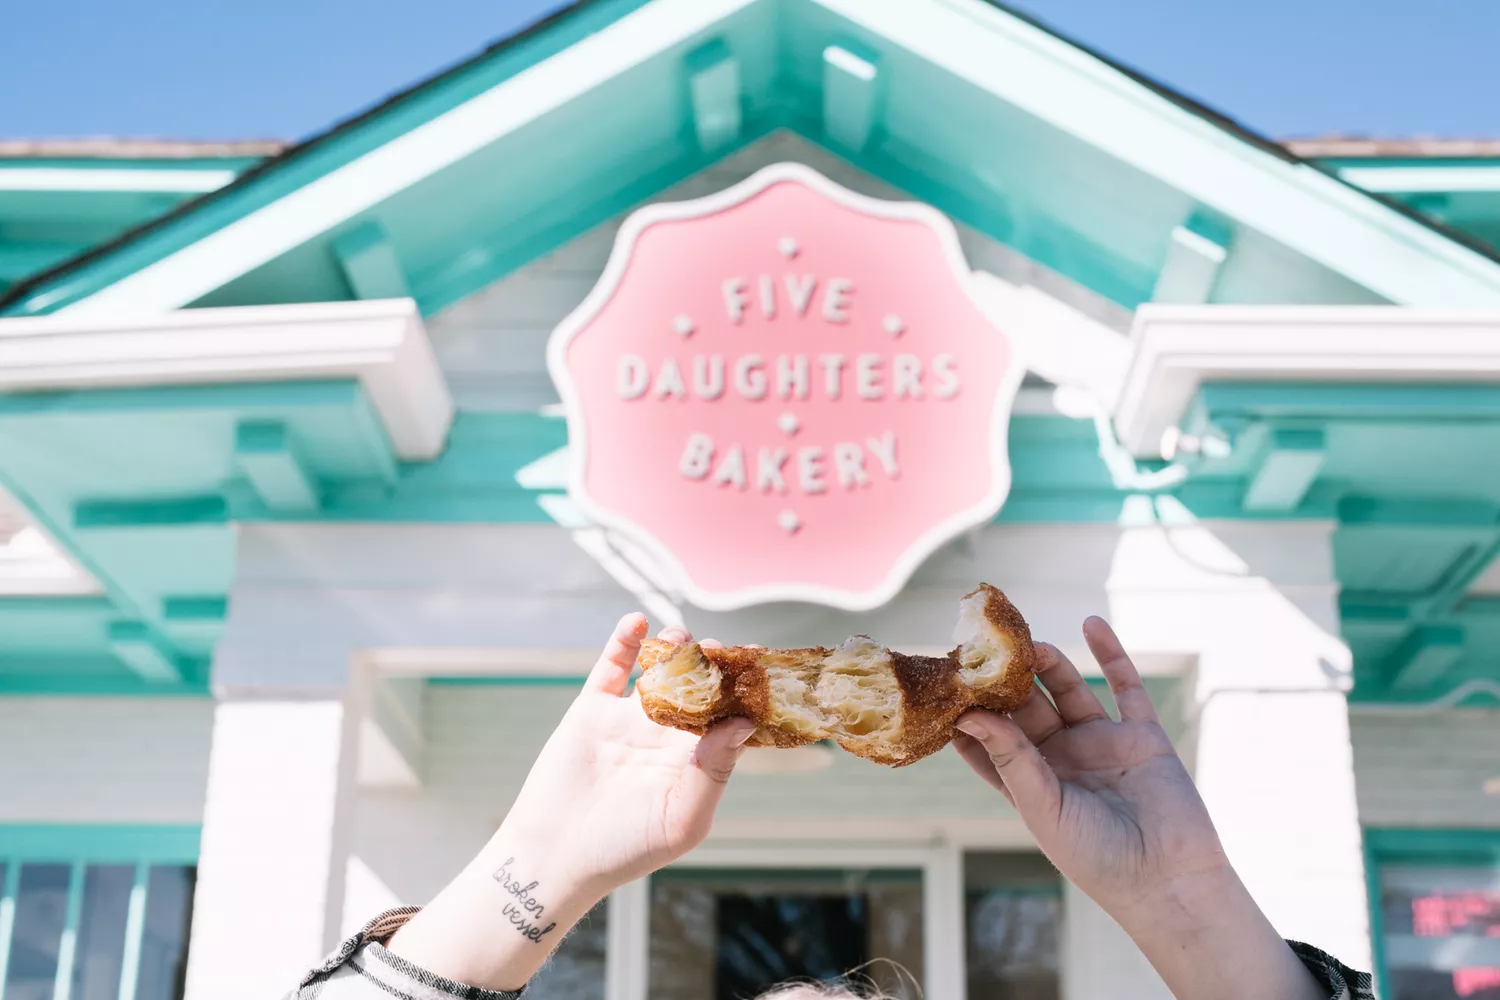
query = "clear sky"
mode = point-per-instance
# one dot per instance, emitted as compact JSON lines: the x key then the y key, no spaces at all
{"x":285,"y":68}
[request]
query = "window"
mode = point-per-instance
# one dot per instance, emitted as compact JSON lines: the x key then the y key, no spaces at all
{"x":95,"y":913}
{"x":576,"y":970}
{"x":1012,"y":920}
{"x":1436,"y":896}
{"x":725,"y":934}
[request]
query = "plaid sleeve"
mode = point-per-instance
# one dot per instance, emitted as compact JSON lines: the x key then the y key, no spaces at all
{"x":361,"y":968}
{"x":1336,"y":978}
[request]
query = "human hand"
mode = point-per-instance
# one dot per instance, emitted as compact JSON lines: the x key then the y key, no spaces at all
{"x":611,"y":797}
{"x":1112,"y":806}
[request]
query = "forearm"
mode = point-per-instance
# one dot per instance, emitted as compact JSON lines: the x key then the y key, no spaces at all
{"x":496,"y":923}
{"x":1208,"y":940}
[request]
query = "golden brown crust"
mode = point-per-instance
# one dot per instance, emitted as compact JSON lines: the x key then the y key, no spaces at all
{"x":933,"y":691}
{"x":1015,"y":686}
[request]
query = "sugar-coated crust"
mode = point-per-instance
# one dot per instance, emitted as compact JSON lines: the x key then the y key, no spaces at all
{"x":1014,"y":686}
{"x":932,"y":694}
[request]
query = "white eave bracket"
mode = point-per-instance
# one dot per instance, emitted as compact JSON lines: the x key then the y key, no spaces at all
{"x":380,"y":343}
{"x":1178,"y":348}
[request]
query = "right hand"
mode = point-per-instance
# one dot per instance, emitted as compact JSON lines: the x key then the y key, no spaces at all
{"x":1110,"y":803}
{"x":1112,"y":806}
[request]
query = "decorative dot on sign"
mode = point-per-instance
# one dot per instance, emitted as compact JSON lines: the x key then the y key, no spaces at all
{"x":788,"y":423}
{"x":893,"y":325}
{"x":788,"y":521}
{"x":787,"y":247}
{"x":684,"y":325}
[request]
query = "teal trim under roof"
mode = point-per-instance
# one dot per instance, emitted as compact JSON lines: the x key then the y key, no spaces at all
{"x":1066,"y":204}
{"x":55,"y":208}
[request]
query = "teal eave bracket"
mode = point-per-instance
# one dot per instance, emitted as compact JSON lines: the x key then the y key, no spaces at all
{"x":369,"y":263}
{"x":273,"y":466}
{"x":851,"y":94}
{"x":1291,"y":465}
{"x":101,"y":844}
{"x":715,"y":94}
{"x":1423,"y":657}
{"x":136,"y":646}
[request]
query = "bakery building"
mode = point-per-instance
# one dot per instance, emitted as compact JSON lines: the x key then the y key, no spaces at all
{"x":328,"y":468}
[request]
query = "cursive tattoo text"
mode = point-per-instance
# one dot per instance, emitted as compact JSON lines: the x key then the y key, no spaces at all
{"x":526,"y":912}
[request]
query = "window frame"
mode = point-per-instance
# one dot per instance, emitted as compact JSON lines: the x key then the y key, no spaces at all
{"x":1446,"y":847}
{"x":79,"y":847}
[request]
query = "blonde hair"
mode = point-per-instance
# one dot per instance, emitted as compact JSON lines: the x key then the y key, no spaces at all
{"x":857,"y":985}
{"x":821,"y":991}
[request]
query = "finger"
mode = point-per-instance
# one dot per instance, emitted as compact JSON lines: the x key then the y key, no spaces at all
{"x":1038,"y":717}
{"x":1124,"y":679}
{"x":978,"y":759}
{"x":1070,"y":692}
{"x":707,"y":775}
{"x":675,"y":633}
{"x":1033,"y":787}
{"x":711,"y":644}
{"x":612,"y":671}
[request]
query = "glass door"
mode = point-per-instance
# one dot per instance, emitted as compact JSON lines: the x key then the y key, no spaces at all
{"x":730,"y":934}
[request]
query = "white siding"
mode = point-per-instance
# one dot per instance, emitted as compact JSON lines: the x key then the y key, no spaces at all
{"x":104,"y":760}
{"x":1426,"y":770}
{"x":491,"y":345}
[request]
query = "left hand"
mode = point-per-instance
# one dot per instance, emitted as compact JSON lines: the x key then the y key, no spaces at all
{"x":613,"y":796}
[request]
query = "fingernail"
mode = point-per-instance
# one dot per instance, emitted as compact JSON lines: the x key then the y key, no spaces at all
{"x":972,"y":727}
{"x":741,"y":739}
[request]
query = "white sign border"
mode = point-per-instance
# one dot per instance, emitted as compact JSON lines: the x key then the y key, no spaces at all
{"x":678,"y":579}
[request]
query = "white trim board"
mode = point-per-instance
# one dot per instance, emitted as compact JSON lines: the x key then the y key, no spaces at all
{"x":199,"y":268}
{"x":1177,"y":348}
{"x":81,"y":179}
{"x":1422,"y":180}
{"x":1294,"y":204}
{"x":382,"y":343}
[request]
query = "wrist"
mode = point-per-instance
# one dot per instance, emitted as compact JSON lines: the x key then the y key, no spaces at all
{"x":496,"y":924}
{"x":538,"y":880}
{"x":1207,"y":937}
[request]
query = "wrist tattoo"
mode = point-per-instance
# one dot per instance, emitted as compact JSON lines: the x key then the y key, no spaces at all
{"x":526,"y":913}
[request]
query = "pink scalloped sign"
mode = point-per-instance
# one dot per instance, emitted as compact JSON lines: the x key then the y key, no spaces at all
{"x":786,"y":391}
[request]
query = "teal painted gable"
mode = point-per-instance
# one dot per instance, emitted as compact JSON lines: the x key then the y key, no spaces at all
{"x":143,"y":486}
{"x":1033,"y":174}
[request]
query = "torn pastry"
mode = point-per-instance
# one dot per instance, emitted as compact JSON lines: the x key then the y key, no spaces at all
{"x":882,"y":705}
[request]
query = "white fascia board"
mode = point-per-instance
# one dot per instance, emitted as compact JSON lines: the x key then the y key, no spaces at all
{"x":1294,"y":204}
{"x":1423,"y":180}
{"x":197,"y":269}
{"x":381,"y":343}
{"x":1056,"y":341}
{"x":112,"y":179}
{"x":1178,"y":348}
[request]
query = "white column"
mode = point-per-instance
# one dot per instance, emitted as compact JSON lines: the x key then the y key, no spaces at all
{"x":1268,"y":736}
{"x":1098,"y":957}
{"x":943,"y":933}
{"x":275,"y":844}
{"x":1277,"y":772}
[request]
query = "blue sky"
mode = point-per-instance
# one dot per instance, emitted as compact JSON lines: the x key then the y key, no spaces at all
{"x":286,"y":68}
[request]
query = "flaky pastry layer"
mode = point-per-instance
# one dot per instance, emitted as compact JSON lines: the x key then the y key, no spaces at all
{"x":879,"y":704}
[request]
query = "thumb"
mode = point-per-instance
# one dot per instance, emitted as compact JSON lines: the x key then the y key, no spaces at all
{"x":707,"y":775}
{"x":1016,"y":761}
